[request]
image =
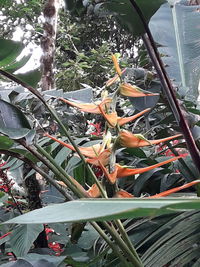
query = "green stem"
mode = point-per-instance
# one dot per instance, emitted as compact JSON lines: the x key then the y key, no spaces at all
{"x":40,"y":171}
{"x":53,"y":168}
{"x":112,"y":232}
{"x":53,"y":113}
{"x":127,"y":239}
{"x":60,"y":172}
{"x":53,"y":182}
{"x":115,"y":235}
{"x":110,"y":243}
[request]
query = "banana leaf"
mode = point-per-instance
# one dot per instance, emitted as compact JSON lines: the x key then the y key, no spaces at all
{"x":175,"y":27}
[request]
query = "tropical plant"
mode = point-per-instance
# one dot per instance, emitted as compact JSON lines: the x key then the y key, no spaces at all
{"x":98,"y":172}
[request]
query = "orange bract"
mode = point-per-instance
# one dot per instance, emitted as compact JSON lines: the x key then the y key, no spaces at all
{"x":113,"y":119}
{"x":116,"y":64}
{"x":127,"y":89}
{"x":88,"y":107}
{"x":123,"y":171}
{"x":123,"y":194}
{"x":103,"y":157}
{"x":127,"y":139}
{"x":93,"y":153}
{"x":174,"y":190}
{"x":94,"y":191}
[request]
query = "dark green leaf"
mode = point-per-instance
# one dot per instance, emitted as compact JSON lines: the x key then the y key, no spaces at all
{"x":13,"y":123}
{"x":9,"y":51}
{"x":23,"y":237}
{"x":91,"y":210}
{"x":5,"y":142}
{"x":128,"y":17}
{"x":18,"y":64}
{"x":33,"y":257}
{"x":31,"y":78}
{"x":142,"y":179}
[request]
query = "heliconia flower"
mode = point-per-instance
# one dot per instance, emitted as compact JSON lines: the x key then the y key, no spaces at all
{"x":94,"y":191}
{"x":90,"y":152}
{"x":122,"y":121}
{"x":93,"y":153}
{"x":113,"y":119}
{"x":123,"y":171}
{"x":56,"y":247}
{"x":88,"y":107}
{"x":127,"y":89}
{"x":174,"y":190}
{"x":116,"y":65}
{"x":128,"y":139}
{"x":103,"y":157}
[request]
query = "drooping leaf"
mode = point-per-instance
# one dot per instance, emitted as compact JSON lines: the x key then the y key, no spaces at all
{"x":91,"y":210}
{"x":180,"y":45}
{"x":23,"y":237}
{"x":127,"y":16}
{"x":31,"y":78}
{"x":13,"y":122}
{"x":142,"y":179}
{"x":18,"y":64}
{"x":9,"y":51}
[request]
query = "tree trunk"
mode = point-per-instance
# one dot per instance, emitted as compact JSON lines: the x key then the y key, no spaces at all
{"x":48,"y":43}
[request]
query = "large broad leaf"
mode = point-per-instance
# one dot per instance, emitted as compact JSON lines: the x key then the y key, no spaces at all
{"x":18,"y":64}
{"x":175,"y":27}
{"x":31,"y":78}
{"x":23,"y":237}
{"x":13,"y":123}
{"x":9,"y":51}
{"x":172,"y":244}
{"x":99,"y":210}
{"x":127,"y":16}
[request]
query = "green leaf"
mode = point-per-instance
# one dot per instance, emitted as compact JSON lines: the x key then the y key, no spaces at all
{"x":22,"y":238}
{"x":100,"y":210}
{"x":14,"y":133}
{"x":5,"y":142}
{"x":180,"y":45}
{"x":13,"y":123}
{"x":128,"y":17}
{"x":142,"y":179}
{"x":33,"y":257}
{"x":9,"y":51}
{"x":31,"y":78}
{"x":176,"y":238}
{"x":18,"y":64}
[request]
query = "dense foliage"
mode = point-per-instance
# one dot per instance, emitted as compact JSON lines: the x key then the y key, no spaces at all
{"x":106,"y":156}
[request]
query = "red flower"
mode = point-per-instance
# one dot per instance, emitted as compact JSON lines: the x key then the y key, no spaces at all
{"x":98,"y":128}
{"x":56,"y":247}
